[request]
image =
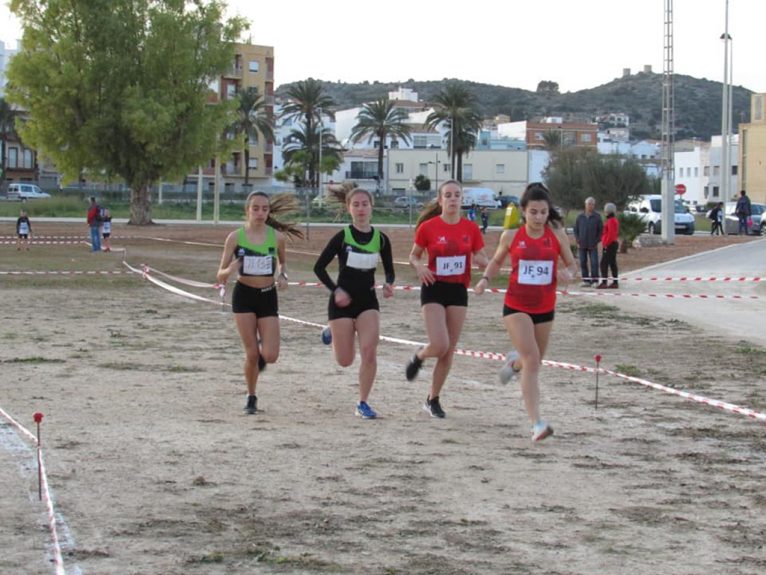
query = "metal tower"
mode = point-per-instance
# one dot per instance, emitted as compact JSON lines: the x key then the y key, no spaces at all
{"x":668,"y":131}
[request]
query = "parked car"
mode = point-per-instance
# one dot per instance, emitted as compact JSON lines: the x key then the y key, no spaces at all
{"x":763,"y":223}
{"x":649,"y":209}
{"x":731,"y":221}
{"x":406,"y":202}
{"x":17,"y":191}
{"x":481,"y":197}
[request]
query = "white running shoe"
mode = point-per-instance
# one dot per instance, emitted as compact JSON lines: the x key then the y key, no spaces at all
{"x":541,"y":430}
{"x":507,"y":372}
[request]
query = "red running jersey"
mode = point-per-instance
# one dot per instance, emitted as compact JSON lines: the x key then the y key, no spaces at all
{"x":532,"y":283}
{"x":449,"y":248}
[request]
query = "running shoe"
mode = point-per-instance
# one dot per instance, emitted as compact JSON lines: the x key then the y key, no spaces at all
{"x":364,"y":411}
{"x":413,"y":367}
{"x":508,"y":372}
{"x":252,"y":405}
{"x":541,"y":430}
{"x":326,"y":336}
{"x":433,"y":407}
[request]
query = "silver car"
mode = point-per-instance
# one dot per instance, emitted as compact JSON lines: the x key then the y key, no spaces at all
{"x":731,"y":221}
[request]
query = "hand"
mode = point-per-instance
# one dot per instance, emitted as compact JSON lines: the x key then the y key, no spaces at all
{"x":281,"y":281}
{"x":342,"y":299}
{"x":424,"y":275}
{"x":388,"y":290}
{"x":564,"y":275}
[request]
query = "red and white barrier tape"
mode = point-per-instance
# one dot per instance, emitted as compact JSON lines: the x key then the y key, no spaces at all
{"x":190,"y":283}
{"x":730,"y":279}
{"x":58,"y":560}
{"x":61,"y":273}
{"x":33,"y":242}
{"x":730,"y":407}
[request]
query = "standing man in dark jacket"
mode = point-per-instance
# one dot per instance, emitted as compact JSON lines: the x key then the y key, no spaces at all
{"x":743,"y":211}
{"x":587,"y":232}
{"x":94,"y":223}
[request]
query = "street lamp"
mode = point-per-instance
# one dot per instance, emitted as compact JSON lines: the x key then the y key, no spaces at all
{"x":436,"y":173}
{"x":726,"y":106}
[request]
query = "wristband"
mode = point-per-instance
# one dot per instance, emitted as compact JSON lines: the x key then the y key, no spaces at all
{"x":283,"y":275}
{"x":486,"y":278}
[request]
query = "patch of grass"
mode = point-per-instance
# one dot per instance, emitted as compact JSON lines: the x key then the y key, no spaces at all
{"x":124,"y":366}
{"x":630,"y":370}
{"x":34,"y":359}
{"x":212,"y":557}
{"x":181,"y":369}
{"x":749,"y":350}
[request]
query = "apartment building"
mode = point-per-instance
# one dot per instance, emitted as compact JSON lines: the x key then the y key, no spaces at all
{"x":752,"y":151}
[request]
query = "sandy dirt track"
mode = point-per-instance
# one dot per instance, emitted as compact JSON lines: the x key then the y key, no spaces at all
{"x":154,"y":469}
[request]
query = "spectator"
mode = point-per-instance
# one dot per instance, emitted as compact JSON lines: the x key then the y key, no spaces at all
{"x":716,"y":215}
{"x":106,"y":229}
{"x":484,"y":220}
{"x":23,"y":230}
{"x":610,"y":241}
{"x":94,"y":222}
{"x":587,"y":232}
{"x":743,"y":212}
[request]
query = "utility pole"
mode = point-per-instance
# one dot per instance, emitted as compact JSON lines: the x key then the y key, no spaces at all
{"x":668,"y":218}
{"x":724,"y":192}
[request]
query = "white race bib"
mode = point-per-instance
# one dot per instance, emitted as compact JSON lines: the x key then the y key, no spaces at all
{"x":107,"y":227}
{"x":257,"y":265}
{"x":450,"y":266}
{"x":362,"y":261}
{"x":536,"y":273}
{"x":23,"y":228}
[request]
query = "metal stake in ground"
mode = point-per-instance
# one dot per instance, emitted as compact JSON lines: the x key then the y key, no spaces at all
{"x":597,"y":357}
{"x":38,"y":418}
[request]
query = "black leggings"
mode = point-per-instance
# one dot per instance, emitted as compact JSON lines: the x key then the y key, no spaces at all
{"x":609,"y":261}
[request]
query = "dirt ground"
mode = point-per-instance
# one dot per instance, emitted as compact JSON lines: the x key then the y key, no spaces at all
{"x":154,"y":468}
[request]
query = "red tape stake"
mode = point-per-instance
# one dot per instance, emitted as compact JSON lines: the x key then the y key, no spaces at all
{"x":597,"y":357}
{"x":38,"y":418}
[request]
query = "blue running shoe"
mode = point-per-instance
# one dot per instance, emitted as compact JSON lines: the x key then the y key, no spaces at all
{"x":326,"y":336}
{"x":365,"y":411}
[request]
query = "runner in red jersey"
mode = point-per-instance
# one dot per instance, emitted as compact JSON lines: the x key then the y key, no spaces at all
{"x":530,"y":301}
{"x":451,"y":242}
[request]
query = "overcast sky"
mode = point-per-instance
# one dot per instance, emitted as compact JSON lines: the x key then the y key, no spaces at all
{"x":517,"y":43}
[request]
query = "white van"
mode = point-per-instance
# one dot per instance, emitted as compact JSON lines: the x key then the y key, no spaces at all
{"x":18,"y":191}
{"x":649,"y":208}
{"x":482,"y":197}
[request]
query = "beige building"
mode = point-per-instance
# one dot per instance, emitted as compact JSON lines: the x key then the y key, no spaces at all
{"x":252,"y":65}
{"x":752,"y":151}
{"x":502,"y":170}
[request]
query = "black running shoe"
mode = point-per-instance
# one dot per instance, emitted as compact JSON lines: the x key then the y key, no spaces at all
{"x":433,"y":407}
{"x":413,"y":367}
{"x":252,"y":405}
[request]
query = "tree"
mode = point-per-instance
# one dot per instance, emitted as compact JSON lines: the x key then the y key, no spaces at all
{"x":631,"y":226}
{"x":253,"y":118}
{"x":7,"y":118}
{"x":422,"y":183}
{"x":381,"y":119}
{"x":306,"y":104}
{"x":456,"y":109}
{"x":576,"y":173}
{"x":548,"y":88}
{"x":122,"y":88}
{"x":300,"y":153}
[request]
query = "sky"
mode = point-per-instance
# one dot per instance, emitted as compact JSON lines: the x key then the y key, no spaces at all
{"x":579,"y":44}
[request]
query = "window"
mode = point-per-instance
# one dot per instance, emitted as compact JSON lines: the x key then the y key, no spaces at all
{"x":13,"y":157}
{"x":467,"y":172}
{"x":423,"y":169}
{"x":587,"y":138}
{"x":27,"y":159}
{"x":733,"y":170}
{"x":706,"y":171}
{"x":680,"y":173}
{"x":716,"y":170}
{"x":253,"y":66}
{"x":419,"y":141}
{"x":688,"y":172}
{"x":446,"y":168}
{"x":696,"y":172}
{"x":253,"y":163}
{"x":499,"y":168}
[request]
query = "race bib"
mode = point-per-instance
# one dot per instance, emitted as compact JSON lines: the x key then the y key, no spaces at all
{"x":257,"y":265}
{"x":536,"y":273}
{"x":450,"y":266}
{"x":361,"y":261}
{"x":107,"y":227}
{"x":23,"y":228}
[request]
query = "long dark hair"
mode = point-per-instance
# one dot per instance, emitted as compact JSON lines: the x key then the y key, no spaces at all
{"x":537,"y":192}
{"x":434,"y":208}
{"x":278,"y":204}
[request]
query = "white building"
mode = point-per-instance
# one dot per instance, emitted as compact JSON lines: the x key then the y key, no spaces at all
{"x":691,"y":161}
{"x":5,"y":56}
{"x":712,"y":193}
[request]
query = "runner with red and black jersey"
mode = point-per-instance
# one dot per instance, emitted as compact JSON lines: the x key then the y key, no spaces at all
{"x":530,"y":300}
{"x":452,"y":243}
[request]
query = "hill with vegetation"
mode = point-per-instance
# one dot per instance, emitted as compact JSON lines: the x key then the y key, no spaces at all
{"x":697,"y":101}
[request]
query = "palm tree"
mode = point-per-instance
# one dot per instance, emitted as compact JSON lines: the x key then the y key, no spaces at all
{"x":7,"y":116}
{"x":302,"y":145}
{"x":306,"y":104}
{"x":381,"y":119}
{"x":456,"y":108}
{"x":253,"y":118}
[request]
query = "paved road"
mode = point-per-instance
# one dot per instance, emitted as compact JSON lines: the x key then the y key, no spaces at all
{"x":735,"y":319}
